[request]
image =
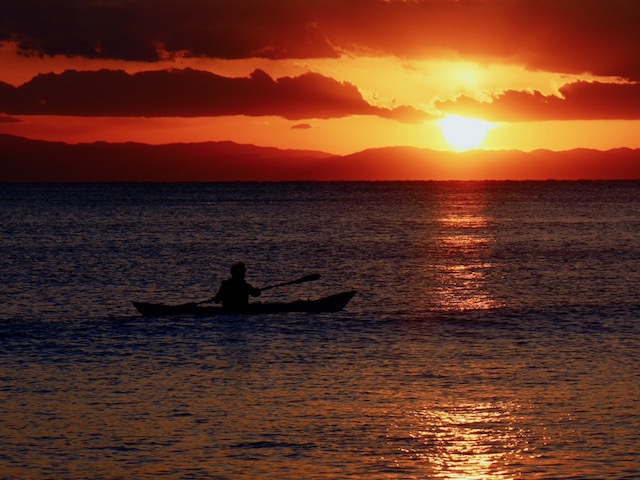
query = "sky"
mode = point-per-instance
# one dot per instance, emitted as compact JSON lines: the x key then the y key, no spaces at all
{"x":337,"y":76}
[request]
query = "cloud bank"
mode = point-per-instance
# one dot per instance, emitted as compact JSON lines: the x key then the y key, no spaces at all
{"x":189,"y":93}
{"x":578,"y":101}
{"x":572,"y":36}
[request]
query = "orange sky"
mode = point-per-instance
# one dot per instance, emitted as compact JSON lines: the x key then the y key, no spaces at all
{"x":338,"y":76}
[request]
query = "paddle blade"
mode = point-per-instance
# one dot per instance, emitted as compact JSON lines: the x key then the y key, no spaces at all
{"x":308,"y":278}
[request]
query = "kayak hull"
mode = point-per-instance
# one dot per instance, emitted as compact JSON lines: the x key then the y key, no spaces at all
{"x":332,"y":303}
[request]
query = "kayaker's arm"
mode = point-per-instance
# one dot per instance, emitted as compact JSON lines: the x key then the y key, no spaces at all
{"x":255,"y":292}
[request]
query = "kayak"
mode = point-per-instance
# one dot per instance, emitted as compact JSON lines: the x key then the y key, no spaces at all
{"x":332,"y":303}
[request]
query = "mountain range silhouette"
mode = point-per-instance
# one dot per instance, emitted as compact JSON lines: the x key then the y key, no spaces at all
{"x":27,"y":160}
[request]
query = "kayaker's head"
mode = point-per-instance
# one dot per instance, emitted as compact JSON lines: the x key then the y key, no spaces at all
{"x":238,"y":270}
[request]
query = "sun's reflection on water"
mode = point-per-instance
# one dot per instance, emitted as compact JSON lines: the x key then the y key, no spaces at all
{"x":463,"y":248}
{"x":468,"y":440}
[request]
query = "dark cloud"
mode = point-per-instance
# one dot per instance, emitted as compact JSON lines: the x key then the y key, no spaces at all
{"x":147,"y":30}
{"x":301,"y":126}
{"x":5,"y":90}
{"x":572,"y":36}
{"x":186,"y":93}
{"x":580,"y":101}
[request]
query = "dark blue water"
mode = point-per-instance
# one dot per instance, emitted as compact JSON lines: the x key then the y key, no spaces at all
{"x":495,"y":333}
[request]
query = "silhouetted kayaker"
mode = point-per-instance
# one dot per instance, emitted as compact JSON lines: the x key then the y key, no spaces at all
{"x":234,"y":292}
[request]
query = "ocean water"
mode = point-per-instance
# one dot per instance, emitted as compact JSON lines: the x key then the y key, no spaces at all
{"x":495,"y":333}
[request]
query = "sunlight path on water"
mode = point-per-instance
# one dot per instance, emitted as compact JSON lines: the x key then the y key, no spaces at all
{"x":463,"y":242}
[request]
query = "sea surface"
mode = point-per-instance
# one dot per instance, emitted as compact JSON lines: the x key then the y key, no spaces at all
{"x":495,"y":333}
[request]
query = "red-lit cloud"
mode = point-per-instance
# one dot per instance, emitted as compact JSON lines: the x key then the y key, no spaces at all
{"x":571,"y":36}
{"x":579,"y":101}
{"x":189,"y":93}
{"x":6,"y":119}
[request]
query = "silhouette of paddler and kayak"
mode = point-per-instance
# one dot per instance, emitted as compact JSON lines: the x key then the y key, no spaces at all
{"x":233,"y":298}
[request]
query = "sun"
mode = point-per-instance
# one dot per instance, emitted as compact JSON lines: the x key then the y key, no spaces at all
{"x":464,"y":133}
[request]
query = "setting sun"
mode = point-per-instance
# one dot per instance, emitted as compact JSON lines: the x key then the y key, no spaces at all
{"x":463,"y":133}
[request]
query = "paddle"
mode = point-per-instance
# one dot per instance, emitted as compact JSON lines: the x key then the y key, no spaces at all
{"x":306,"y":278}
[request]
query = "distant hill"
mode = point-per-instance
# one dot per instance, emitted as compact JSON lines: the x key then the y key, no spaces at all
{"x":25,"y":160}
